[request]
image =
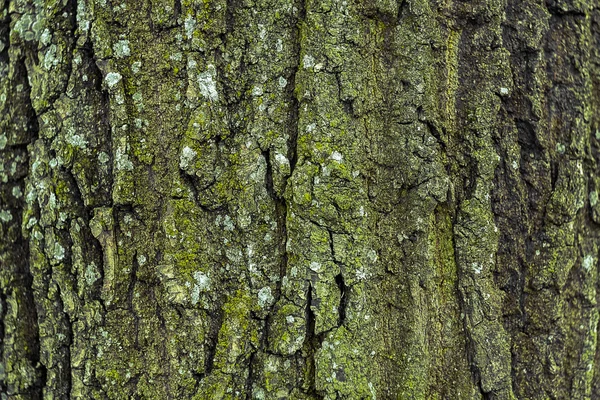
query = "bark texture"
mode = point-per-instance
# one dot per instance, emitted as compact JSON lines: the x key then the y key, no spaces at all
{"x":299,"y":199}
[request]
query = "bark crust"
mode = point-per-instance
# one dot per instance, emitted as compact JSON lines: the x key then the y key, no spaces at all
{"x":299,"y":199}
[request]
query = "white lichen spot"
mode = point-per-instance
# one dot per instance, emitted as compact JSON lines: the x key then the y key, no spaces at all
{"x":176,"y":56}
{"x":135,"y":66}
{"x":308,"y":61}
{"x":38,"y":235}
{"x":50,"y":58}
{"x":195,"y":295}
{"x":282,"y":82}
{"x":103,"y":157}
{"x":281,"y":159}
{"x":515,"y":165}
{"x":189,"y":24}
{"x":265,"y":297}
{"x":257,"y":91}
{"x":46,"y":37}
{"x":202,"y":281}
{"x":75,"y":139}
{"x":361,"y":274}
{"x":259,"y":394}
{"x":593,"y":198}
{"x":588,"y":262}
{"x":372,"y":255}
{"x":83,"y":23}
{"x":262,"y":31}
{"x":207,"y":84}
{"x":279,"y":45}
{"x":141,"y":259}
{"x":59,"y":251}
{"x":186,"y":157}
{"x":138,"y":99}
{"x":123,"y":161}
{"x":3,"y":141}
{"x":112,"y":78}
{"x":477,"y":268}
{"x":31,"y":196}
{"x":52,"y":201}
{"x":5,"y":216}
{"x":121,"y":49}
{"x":228,"y":223}
{"x":311,"y":127}
{"x":503,"y":91}
{"x":315,"y":266}
{"x":16,"y":192}
{"x":337,"y":156}
{"x":91,"y":274}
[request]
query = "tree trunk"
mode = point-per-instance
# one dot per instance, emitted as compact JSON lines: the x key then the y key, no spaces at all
{"x":299,"y":199}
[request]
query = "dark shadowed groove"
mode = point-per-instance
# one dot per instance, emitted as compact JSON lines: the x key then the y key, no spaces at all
{"x":281,"y":210}
{"x":340,"y":283}
{"x":20,"y":248}
{"x":212,"y":340}
{"x":339,"y":280}
{"x":291,"y":87}
{"x":250,"y":378}
{"x":309,"y":348}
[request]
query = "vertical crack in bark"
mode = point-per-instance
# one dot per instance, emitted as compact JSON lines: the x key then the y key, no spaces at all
{"x":21,"y":282}
{"x":311,"y":344}
{"x":212,"y":340}
{"x":250,"y":377}
{"x":339,"y":280}
{"x":341,"y":284}
{"x":68,"y":384}
{"x":281,"y":210}
{"x":295,"y":112}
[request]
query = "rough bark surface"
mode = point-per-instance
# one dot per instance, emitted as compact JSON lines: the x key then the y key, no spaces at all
{"x":299,"y":199}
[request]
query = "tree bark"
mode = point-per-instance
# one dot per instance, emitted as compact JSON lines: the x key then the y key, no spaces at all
{"x":299,"y":199}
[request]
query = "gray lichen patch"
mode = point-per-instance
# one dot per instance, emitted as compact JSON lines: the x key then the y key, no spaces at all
{"x":112,"y":79}
{"x":208,"y":84}
{"x":121,"y":49}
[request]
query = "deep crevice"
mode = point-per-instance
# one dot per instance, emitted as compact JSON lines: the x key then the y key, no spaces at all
{"x":212,"y":340}
{"x":311,"y":344}
{"x":339,"y":280}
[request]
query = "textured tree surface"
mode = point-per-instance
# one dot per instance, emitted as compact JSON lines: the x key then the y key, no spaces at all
{"x":299,"y":199}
